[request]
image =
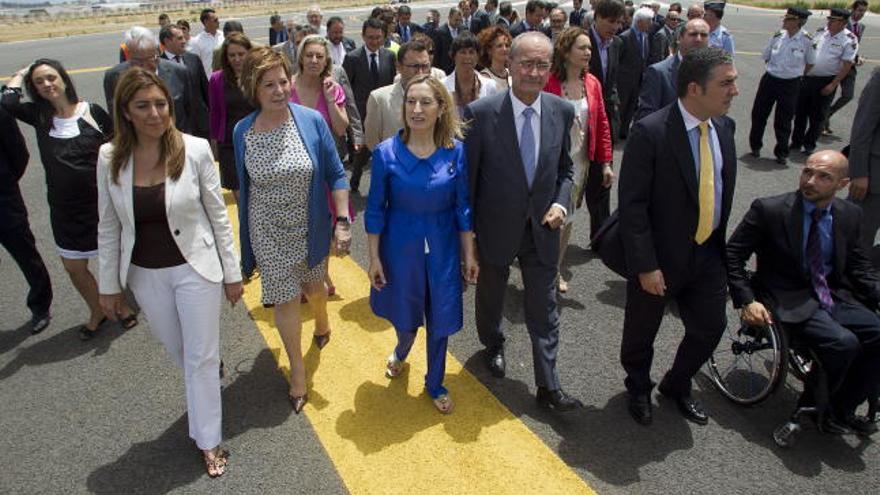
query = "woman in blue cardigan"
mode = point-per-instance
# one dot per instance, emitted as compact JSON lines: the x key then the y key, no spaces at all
{"x":284,"y":155}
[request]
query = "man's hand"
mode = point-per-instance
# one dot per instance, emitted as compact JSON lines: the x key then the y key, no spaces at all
{"x":653,"y":283}
{"x":554,"y":217}
{"x":233,"y":292}
{"x":755,"y":313}
{"x":111,"y":305}
{"x":858,"y":188}
{"x":829,"y":89}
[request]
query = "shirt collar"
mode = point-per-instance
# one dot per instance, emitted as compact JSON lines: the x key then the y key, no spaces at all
{"x":810,"y":207}
{"x":369,"y":52}
{"x":602,"y":43}
{"x":689,"y":120}
{"x":519,"y":106}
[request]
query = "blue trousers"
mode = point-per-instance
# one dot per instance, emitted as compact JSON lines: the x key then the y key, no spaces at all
{"x":436,"y":359}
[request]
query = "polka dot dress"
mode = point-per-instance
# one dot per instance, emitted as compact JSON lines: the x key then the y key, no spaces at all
{"x":280,"y":172}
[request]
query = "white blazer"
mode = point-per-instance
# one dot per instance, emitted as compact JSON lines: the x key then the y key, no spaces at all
{"x":196,"y":217}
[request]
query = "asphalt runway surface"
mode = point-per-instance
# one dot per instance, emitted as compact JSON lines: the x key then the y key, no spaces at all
{"x":108,"y":416}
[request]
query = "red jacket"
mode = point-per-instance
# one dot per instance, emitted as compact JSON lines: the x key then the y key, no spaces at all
{"x":599,"y":133}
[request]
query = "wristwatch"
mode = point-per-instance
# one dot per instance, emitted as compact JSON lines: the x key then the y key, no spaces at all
{"x":343,"y":219}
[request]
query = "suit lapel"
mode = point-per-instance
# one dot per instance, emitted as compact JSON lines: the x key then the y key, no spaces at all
{"x":170,"y":186}
{"x":681,"y":146}
{"x":505,"y":123}
{"x":794,"y":228}
{"x":838,"y":228}
{"x":126,"y":181}
{"x":549,"y":133}
{"x":728,"y":166}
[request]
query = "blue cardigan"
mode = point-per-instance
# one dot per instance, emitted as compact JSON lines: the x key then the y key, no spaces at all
{"x":321,"y":147}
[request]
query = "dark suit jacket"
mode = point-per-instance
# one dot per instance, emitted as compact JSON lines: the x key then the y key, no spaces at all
{"x":442,"y":37}
{"x":864,"y":151}
{"x":14,"y":158}
{"x":608,"y":80}
{"x":576,"y":17}
{"x":500,"y":195}
{"x":276,"y":37}
{"x":659,"y":46}
{"x":176,"y":78}
{"x":658,"y":87}
{"x":520,"y":27}
{"x":773,"y":230}
{"x":349,"y":45}
{"x":199,"y":79}
{"x":658,"y":194}
{"x":631,"y":64}
{"x":357,"y":68}
{"x":413,"y":29}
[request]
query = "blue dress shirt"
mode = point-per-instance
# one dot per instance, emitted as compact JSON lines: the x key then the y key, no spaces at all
{"x":825,"y":224}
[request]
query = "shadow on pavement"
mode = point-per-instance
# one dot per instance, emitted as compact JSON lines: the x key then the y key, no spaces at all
{"x":813,"y":449}
{"x":614,"y":294}
{"x":10,"y":339}
{"x":385,"y":414}
{"x":762,"y":164}
{"x":255,"y":399}
{"x":62,"y":346}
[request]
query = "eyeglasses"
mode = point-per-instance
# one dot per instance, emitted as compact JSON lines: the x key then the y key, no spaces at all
{"x":529,"y":65}
{"x":417,"y":66}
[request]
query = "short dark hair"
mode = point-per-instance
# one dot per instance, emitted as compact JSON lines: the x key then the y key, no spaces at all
{"x":183,"y":23}
{"x":505,"y":8}
{"x":533,"y":5}
{"x":404,"y":9}
{"x":609,"y":9}
{"x":167,"y":32}
{"x":373,"y":23}
{"x":377,"y":12}
{"x":412,"y":46}
{"x":274,"y":18}
{"x":205,"y":13}
{"x":697,"y":67}
{"x":858,"y":3}
{"x":674,"y":7}
{"x":333,"y":20}
{"x":163,"y":17}
{"x":232,"y":27}
{"x":490,"y":2}
{"x":465,"y":39}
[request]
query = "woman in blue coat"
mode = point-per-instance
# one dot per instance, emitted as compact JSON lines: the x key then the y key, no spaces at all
{"x":418,"y":222}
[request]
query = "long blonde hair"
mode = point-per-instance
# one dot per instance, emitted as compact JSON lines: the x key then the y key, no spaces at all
{"x":171,"y":149}
{"x":448,"y":126}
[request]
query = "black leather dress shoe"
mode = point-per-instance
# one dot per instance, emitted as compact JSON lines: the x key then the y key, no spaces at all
{"x":495,"y":362}
{"x":833,"y":426}
{"x":39,"y":323}
{"x":861,"y":425}
{"x":639,"y":407}
{"x":556,"y":400}
{"x":689,"y":407}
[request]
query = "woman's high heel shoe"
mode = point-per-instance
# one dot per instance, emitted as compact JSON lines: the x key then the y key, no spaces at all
{"x":322,"y":340}
{"x":298,"y":403}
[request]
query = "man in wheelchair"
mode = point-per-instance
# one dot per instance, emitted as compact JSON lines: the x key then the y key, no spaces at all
{"x":816,"y":280}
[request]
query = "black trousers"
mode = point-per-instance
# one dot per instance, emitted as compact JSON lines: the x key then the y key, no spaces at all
{"x":847,"y":344}
{"x":597,"y":197}
{"x":812,"y":106}
{"x":847,"y":93}
{"x":701,"y":303}
{"x":17,"y":238}
{"x":782,"y":93}
{"x":358,"y":164}
{"x":539,"y":302}
{"x":629,"y":101}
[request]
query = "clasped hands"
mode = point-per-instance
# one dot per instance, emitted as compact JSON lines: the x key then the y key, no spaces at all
{"x":470,"y":271}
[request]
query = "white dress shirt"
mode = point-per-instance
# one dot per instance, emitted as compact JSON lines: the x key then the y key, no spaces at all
{"x":203,"y":45}
{"x":832,"y":51}
{"x":519,"y":121}
{"x":690,"y":125}
{"x":337,"y":53}
{"x":787,"y":56}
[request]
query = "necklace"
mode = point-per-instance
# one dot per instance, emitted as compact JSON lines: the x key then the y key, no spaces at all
{"x":573,"y":95}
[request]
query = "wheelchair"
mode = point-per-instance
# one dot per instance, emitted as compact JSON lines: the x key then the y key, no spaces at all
{"x":751,"y":362}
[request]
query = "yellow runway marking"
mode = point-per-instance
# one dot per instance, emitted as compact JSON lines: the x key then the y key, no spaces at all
{"x":384,"y":436}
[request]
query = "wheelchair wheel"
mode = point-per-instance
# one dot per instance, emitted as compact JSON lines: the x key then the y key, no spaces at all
{"x":749,"y":363}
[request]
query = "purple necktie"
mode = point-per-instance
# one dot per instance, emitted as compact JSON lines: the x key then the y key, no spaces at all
{"x":817,"y":262}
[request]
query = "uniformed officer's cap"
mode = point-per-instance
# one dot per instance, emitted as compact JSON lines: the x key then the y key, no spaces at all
{"x":797,"y":13}
{"x":839,"y":14}
{"x":715,"y":5}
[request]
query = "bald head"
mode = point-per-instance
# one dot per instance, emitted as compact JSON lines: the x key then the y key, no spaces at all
{"x":695,"y":11}
{"x":825,"y":173}
{"x":694,"y":35}
{"x":535,"y":39}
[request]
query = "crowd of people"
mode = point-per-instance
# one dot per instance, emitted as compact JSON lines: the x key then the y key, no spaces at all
{"x":486,"y":135}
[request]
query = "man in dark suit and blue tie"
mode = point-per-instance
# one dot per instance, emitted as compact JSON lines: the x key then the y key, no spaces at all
{"x":520,"y":175}
{"x":658,"y":87}
{"x":814,"y":273}
{"x":676,"y":187}
{"x":405,"y":27}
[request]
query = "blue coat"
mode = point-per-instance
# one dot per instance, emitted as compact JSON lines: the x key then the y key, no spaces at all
{"x":418,"y":207}
{"x":328,"y":169}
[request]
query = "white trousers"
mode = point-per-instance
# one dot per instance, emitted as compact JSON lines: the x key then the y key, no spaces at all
{"x":183,"y":310}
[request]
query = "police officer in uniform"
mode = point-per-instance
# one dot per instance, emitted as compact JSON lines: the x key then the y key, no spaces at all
{"x":719,"y":36}
{"x":788,"y":56}
{"x":856,"y":26}
{"x":836,"y":48}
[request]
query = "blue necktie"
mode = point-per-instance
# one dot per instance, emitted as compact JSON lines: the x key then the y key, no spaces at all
{"x":527,"y":145}
{"x":817,"y":263}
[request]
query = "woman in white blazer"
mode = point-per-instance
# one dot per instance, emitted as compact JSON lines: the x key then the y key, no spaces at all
{"x":164,"y":233}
